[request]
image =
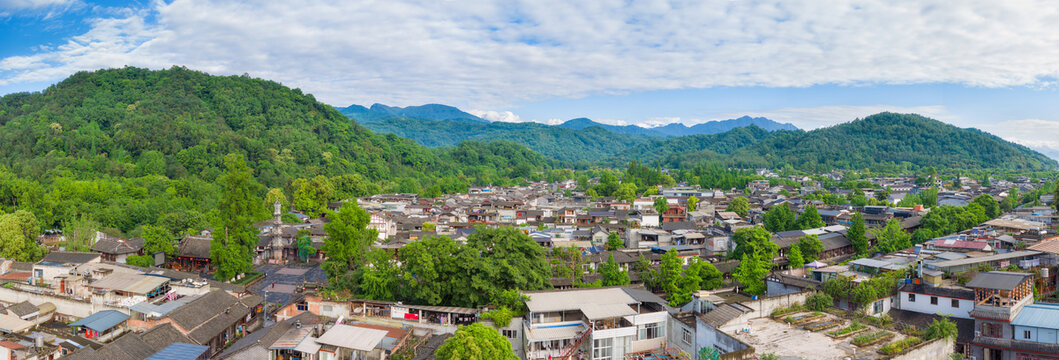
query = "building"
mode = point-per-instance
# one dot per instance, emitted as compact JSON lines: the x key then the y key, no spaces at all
{"x":1000,"y":299}
{"x":922,"y":298}
{"x":600,"y":323}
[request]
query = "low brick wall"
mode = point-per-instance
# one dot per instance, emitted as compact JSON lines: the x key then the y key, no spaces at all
{"x":938,"y":349}
{"x":63,"y":305}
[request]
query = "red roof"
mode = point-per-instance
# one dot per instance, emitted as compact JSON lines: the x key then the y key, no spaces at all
{"x":961,"y":244}
{"x":17,"y":276}
{"x":12,"y":345}
{"x":391,"y":332}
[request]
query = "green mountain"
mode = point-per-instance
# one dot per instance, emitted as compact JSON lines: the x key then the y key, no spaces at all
{"x":678,"y":129}
{"x":132,"y":146}
{"x":885,"y":141}
{"x":588,"y":144}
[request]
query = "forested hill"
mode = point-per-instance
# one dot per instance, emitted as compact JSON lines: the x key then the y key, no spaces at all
{"x":588,"y":144}
{"x":885,"y":141}
{"x":127,"y":146}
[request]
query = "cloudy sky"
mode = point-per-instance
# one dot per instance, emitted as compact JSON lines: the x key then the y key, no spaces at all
{"x":986,"y":64}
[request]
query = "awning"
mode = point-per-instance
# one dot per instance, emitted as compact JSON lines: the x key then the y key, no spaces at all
{"x":13,"y":324}
{"x":102,"y":321}
{"x":351,"y":337}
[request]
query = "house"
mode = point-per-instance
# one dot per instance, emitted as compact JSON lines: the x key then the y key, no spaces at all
{"x":102,"y":326}
{"x":116,"y":249}
{"x":351,"y":342}
{"x":602,"y":323}
{"x":259,"y":344}
{"x":216,"y":317}
{"x":193,"y":253}
{"x":55,"y":267}
{"x":1008,"y":325}
{"x":132,"y":346}
{"x":957,"y":302}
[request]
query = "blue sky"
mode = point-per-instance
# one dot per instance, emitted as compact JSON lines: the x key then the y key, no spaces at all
{"x":985,"y":64}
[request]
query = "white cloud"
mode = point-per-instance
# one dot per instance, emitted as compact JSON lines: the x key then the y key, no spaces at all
{"x":502,"y":116}
{"x":659,"y":121}
{"x":491,"y":55}
{"x":1037,"y":134}
{"x":820,"y":116}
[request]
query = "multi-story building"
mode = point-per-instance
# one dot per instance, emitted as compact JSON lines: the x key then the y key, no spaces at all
{"x":1008,"y":325}
{"x":598,"y":324}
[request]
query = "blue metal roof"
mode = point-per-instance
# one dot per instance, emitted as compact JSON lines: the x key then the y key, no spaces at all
{"x":180,"y":351}
{"x":102,"y":321}
{"x":1040,"y":315}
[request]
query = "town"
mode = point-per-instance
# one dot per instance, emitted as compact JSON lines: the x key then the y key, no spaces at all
{"x":834,"y":265}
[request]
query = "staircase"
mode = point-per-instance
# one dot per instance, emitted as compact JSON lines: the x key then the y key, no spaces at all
{"x":572,"y":348}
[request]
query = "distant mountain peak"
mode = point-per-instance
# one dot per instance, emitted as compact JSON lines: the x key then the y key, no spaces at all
{"x":423,"y":112}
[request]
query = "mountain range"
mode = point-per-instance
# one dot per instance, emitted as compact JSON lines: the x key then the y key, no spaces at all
{"x":678,"y":129}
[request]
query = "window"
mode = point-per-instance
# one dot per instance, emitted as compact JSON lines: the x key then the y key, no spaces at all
{"x":992,"y":330}
{"x":303,"y":306}
{"x":325,"y":308}
{"x":911,"y":297}
{"x":603,"y":349}
{"x":955,"y":303}
{"x":686,"y":336}
{"x":1025,"y":334}
{"x":510,"y":334}
{"x":877,"y":307}
{"x":651,"y":331}
{"x":933,"y":300}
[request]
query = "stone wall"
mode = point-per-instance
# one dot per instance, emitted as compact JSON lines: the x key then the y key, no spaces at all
{"x":763,"y":308}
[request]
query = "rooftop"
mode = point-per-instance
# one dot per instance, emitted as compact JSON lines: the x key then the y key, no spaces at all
{"x":998,"y":280}
{"x":546,"y":301}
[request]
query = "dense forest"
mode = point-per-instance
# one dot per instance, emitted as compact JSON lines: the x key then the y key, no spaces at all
{"x":128,"y":147}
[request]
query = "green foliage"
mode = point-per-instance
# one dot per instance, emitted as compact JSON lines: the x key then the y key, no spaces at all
{"x":891,"y":237}
{"x":780,"y":218}
{"x":500,"y":316}
{"x":305,"y":247}
{"x":693,"y":203}
{"x":612,"y":274}
{"x":80,"y":232}
{"x":899,"y":346}
{"x":614,"y":241}
{"x":647,"y":275}
{"x":475,"y":342}
{"x":739,"y":205}
{"x":348,"y":240}
{"x":626,"y":192}
{"x":232,"y":250}
{"x":856,"y":234}
{"x":275,"y":195}
{"x":754,"y":240}
{"x":661,"y":204}
{"x":810,"y":219}
{"x":18,"y":236}
{"x":819,"y":301}
{"x":140,"y":260}
{"x":794,"y":256}
{"x":989,"y":204}
{"x":669,"y":272}
{"x":311,"y":196}
{"x":943,"y":328}
{"x":811,"y":247}
{"x":158,"y":239}
{"x":944,"y":220}
{"x":751,"y":273}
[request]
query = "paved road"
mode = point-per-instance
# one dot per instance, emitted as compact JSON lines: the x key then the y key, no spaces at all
{"x":287,"y":280}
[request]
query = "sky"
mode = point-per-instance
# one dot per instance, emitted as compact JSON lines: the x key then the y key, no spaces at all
{"x":991,"y":65}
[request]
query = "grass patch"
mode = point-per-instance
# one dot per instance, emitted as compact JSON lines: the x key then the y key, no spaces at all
{"x":855,"y":326}
{"x":796,"y":307}
{"x":248,"y":278}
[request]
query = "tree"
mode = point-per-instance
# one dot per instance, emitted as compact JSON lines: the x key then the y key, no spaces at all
{"x":348,"y":239}
{"x":379,"y":277}
{"x":18,"y":236}
{"x":991,"y":206}
{"x":475,"y":342}
{"x":751,"y":273}
{"x":235,"y":237}
{"x":591,"y":193}
{"x":305,"y":246}
{"x":811,"y":247}
{"x":140,"y":260}
{"x":810,"y":219}
{"x":940,"y":329}
{"x":891,"y":237}
{"x":498,"y":259}
{"x":669,"y":272}
{"x":739,"y":205}
{"x":856,"y":234}
{"x":614,"y":242}
{"x":754,"y":240}
{"x":274,"y":195}
{"x":626,"y":192}
{"x":693,"y":202}
{"x":711,"y":277}
{"x":819,"y":301}
{"x":80,"y":233}
{"x":661,"y":204}
{"x":158,"y":239}
{"x":794,"y":256}
{"x":311,"y":196}
{"x":646,"y":274}
{"x":779,"y":218}
{"x":612,"y":274}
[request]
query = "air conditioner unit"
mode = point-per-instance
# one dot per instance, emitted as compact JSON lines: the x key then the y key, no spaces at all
{"x":977,"y":333}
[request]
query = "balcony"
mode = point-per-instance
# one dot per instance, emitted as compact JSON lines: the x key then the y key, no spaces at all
{"x":998,"y":311}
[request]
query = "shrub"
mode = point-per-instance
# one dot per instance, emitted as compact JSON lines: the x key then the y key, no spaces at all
{"x":943,"y":328}
{"x":501,"y":317}
{"x":819,"y":301}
